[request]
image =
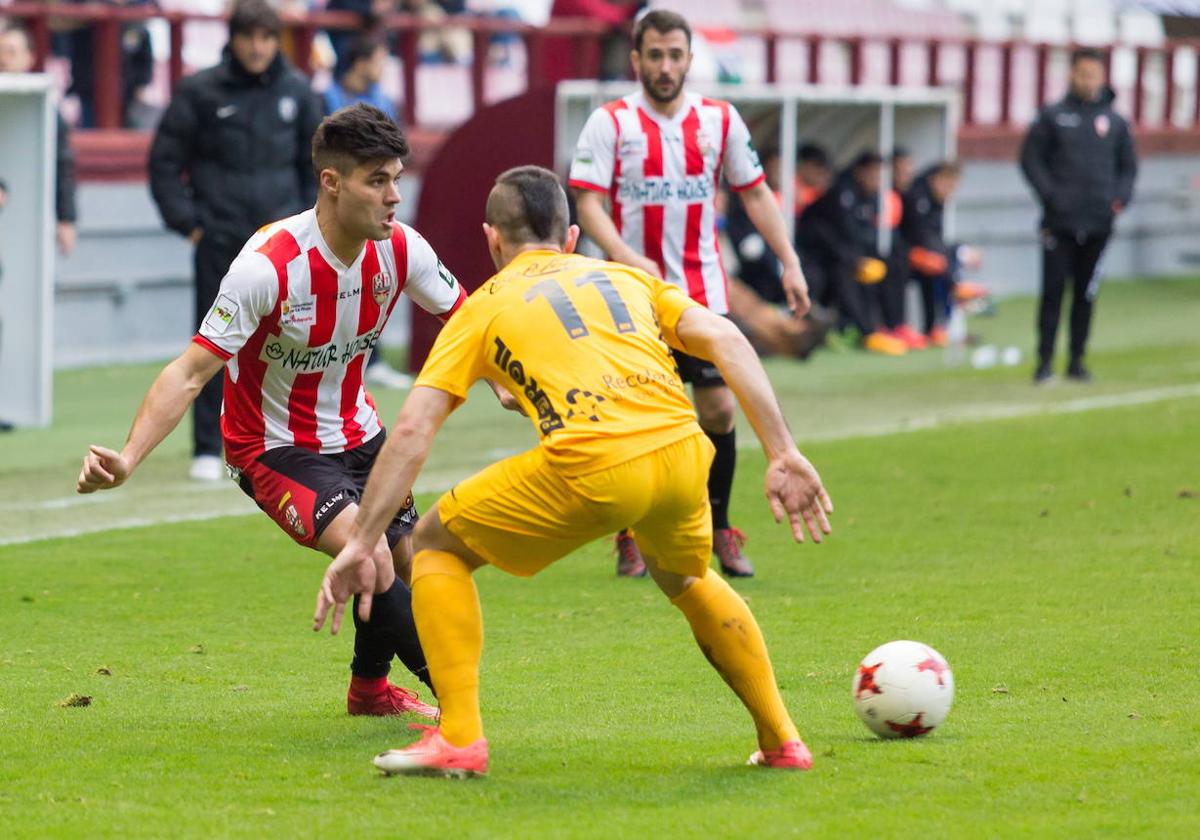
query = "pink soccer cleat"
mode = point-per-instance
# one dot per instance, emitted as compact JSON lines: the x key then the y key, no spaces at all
{"x":791,"y":755}
{"x":381,"y":698}
{"x":433,"y":755}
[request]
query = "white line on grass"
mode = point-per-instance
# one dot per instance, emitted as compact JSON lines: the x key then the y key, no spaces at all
{"x":966,"y":414}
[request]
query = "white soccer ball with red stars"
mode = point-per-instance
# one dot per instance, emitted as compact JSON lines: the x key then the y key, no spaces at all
{"x":903,"y":690}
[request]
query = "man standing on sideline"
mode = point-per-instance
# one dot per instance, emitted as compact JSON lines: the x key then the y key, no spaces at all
{"x":658,"y":156}
{"x":233,"y":152}
{"x":294,"y":320}
{"x":16,"y":56}
{"x":1079,"y":158}
{"x":584,"y":346}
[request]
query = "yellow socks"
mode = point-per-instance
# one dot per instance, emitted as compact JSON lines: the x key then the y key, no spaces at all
{"x":450,"y":624}
{"x":729,"y":637}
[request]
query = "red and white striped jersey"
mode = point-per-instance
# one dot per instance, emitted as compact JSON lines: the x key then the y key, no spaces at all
{"x":661,"y":176}
{"x":295,"y":327}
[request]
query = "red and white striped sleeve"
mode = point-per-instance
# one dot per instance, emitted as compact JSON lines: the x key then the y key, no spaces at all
{"x":742,"y":167}
{"x":595,"y":153}
{"x":430,"y":284}
{"x":249,"y":292}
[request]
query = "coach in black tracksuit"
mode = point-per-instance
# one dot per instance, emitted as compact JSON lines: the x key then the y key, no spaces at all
{"x":232,"y":153}
{"x":1079,"y":158}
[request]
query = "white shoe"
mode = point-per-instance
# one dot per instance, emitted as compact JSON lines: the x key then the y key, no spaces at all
{"x":386,"y":376}
{"x":207,"y":468}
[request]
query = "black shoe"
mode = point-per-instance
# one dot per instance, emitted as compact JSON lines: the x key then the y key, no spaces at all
{"x":1043,"y":374}
{"x":1076,"y":372}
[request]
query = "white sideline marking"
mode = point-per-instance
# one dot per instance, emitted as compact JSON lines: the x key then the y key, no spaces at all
{"x":966,"y":414}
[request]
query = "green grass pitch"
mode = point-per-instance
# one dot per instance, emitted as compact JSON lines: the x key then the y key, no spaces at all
{"x":1054,"y":559}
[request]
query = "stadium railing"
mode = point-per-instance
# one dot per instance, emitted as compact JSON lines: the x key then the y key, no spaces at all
{"x":1012,"y":73}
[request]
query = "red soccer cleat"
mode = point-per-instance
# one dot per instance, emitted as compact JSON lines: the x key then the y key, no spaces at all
{"x":913,"y":339}
{"x":791,"y":755}
{"x":379,"y":697}
{"x":629,"y":557}
{"x":727,"y":545}
{"x":433,"y":755}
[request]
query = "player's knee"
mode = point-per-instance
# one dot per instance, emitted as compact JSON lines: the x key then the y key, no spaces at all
{"x":428,"y":562}
{"x":717,"y":417}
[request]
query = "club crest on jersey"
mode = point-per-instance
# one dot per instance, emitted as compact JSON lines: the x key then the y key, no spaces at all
{"x":381,"y":287}
{"x":1102,"y":125}
{"x":288,"y":108}
{"x":705,"y":143}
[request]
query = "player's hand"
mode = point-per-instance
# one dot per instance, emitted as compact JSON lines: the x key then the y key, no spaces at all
{"x":507,"y":400}
{"x":356,"y":570}
{"x":64,"y":235}
{"x":794,"y":490}
{"x":645,"y":264}
{"x":103,"y":469}
{"x":795,"y":289}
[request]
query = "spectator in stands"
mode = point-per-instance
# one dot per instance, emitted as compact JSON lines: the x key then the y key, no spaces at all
{"x":1079,"y":158}
{"x":16,"y":56}
{"x":233,"y":152}
{"x":757,"y":303}
{"x":560,"y":54}
{"x":932,"y":262}
{"x":76,"y":41}
{"x":836,"y":237}
{"x":366,"y":58}
{"x":370,"y":12}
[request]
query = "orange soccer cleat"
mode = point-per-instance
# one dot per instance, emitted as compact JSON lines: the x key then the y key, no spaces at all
{"x":379,"y":697}
{"x":433,"y":755}
{"x":792,"y":755}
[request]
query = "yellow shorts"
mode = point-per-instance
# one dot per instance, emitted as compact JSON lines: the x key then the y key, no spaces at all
{"x":521,"y":514}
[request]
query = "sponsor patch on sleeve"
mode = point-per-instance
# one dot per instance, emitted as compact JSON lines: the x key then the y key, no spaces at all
{"x":221,"y":315}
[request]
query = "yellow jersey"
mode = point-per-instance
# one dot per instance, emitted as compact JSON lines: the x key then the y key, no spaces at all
{"x":582,"y":345}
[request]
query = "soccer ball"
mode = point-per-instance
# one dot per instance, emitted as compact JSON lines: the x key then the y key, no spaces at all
{"x":903,"y":690}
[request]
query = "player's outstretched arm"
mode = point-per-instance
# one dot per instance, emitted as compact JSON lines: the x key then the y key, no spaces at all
{"x":356,"y":568}
{"x":596,"y":223}
{"x":764,"y":213}
{"x":162,"y":408}
{"x":793,"y":487}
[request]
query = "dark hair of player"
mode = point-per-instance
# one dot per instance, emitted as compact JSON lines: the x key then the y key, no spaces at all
{"x":250,"y":15}
{"x":812,"y":153}
{"x":1086,"y":54}
{"x":662,"y":22}
{"x":528,"y":205}
{"x":362,"y":48}
{"x":355,"y":135}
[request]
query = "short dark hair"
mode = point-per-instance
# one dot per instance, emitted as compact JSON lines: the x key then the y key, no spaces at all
{"x":867,"y":158}
{"x":250,"y":15}
{"x":812,"y":153}
{"x":1086,"y":54}
{"x":662,"y":22}
{"x":361,"y":49}
{"x":528,"y":205}
{"x":355,"y":135}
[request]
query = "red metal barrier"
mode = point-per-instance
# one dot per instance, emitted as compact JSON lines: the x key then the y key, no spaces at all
{"x":587,"y":36}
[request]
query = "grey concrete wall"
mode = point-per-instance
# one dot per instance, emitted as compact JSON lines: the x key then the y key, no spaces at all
{"x":1158,"y":235}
